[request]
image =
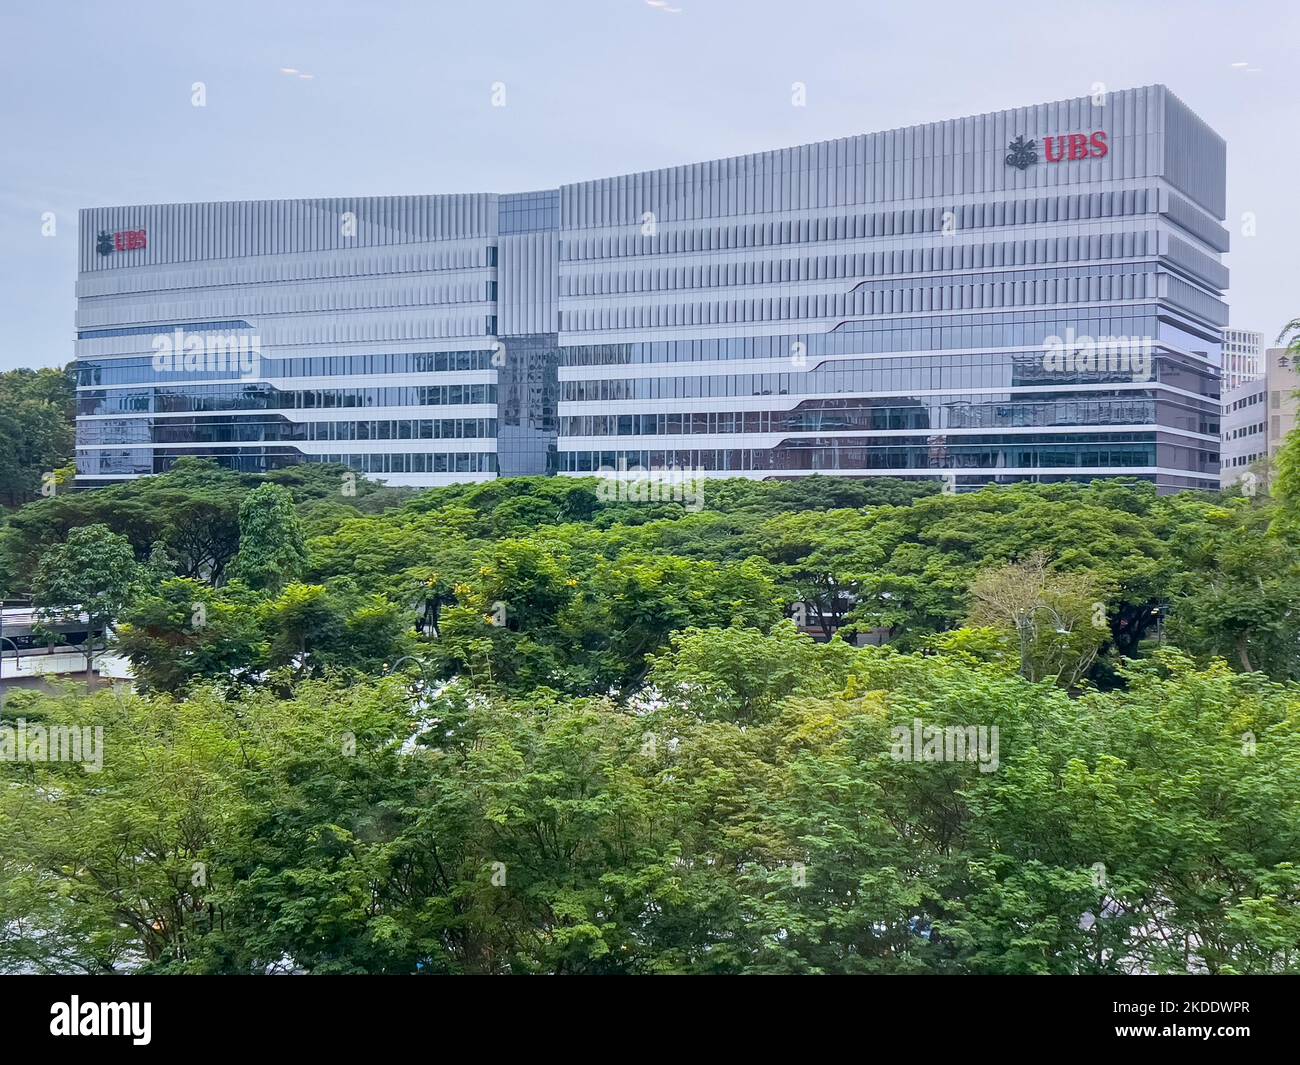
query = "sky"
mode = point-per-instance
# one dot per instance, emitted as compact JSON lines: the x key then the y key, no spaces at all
{"x":391,"y":97}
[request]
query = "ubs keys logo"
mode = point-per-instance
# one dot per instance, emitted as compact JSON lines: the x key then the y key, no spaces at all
{"x":1023,"y":154}
{"x":126,"y":240}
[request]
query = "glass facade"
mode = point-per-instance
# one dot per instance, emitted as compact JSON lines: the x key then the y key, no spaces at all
{"x":174,"y":399}
{"x":528,"y":212}
{"x":907,"y":303}
{"x":527,"y":400}
{"x":932,"y":452}
{"x":135,"y":462}
{"x":140,"y":369}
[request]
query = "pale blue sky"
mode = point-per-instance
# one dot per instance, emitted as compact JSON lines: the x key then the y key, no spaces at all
{"x":96,"y":103}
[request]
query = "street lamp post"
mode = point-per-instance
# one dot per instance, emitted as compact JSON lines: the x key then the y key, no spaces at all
{"x":424,"y":670}
{"x":18,"y":651}
{"x":17,"y":658}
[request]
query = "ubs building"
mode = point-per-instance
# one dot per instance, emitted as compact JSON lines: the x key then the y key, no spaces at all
{"x":1030,"y":294}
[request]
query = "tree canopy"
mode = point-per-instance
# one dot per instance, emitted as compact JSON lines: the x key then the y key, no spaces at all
{"x":515,"y":727}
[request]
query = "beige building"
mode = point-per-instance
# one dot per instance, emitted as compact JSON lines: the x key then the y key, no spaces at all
{"x":1258,"y":414}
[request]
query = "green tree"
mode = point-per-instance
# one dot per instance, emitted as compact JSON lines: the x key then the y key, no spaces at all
{"x":193,"y":510}
{"x":313,"y":629}
{"x":742,"y":675}
{"x":92,"y":576}
{"x":1244,"y":604}
{"x":1058,"y":620}
{"x":272,"y":552}
{"x":37,"y":434}
{"x":185,"y":631}
{"x":755,"y":816}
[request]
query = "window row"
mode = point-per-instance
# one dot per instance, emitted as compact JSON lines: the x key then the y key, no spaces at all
{"x":231,"y":429}
{"x":1246,"y":401}
{"x":264,"y":270}
{"x":416,"y":462}
{"x":263,"y":397}
{"x":866,"y":377}
{"x":1011,"y":328}
{"x":263,"y":460}
{"x":140,"y":369}
{"x":942,"y":258}
{"x":1076,"y":207}
{"x":951,"y":413}
{"x":1122,"y":450}
{"x":880,"y":298}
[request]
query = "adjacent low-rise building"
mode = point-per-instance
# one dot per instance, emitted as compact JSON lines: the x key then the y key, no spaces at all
{"x":1257,"y":416}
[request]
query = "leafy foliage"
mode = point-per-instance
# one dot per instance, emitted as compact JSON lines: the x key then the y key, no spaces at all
{"x":37,"y":434}
{"x":91,"y":576}
{"x":271,"y":548}
{"x":613,"y":746}
{"x":355,"y":829}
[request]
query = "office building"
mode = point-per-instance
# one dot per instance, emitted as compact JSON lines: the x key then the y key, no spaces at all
{"x":1030,"y":294}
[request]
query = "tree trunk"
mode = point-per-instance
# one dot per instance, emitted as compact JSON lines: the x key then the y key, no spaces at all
{"x":1242,"y":654}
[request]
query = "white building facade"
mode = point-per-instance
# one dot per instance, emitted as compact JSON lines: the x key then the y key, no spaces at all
{"x":1258,"y":415}
{"x":1243,"y":357}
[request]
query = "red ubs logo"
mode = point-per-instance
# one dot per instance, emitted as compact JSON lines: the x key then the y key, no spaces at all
{"x":125,"y":240}
{"x":1060,"y":149}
